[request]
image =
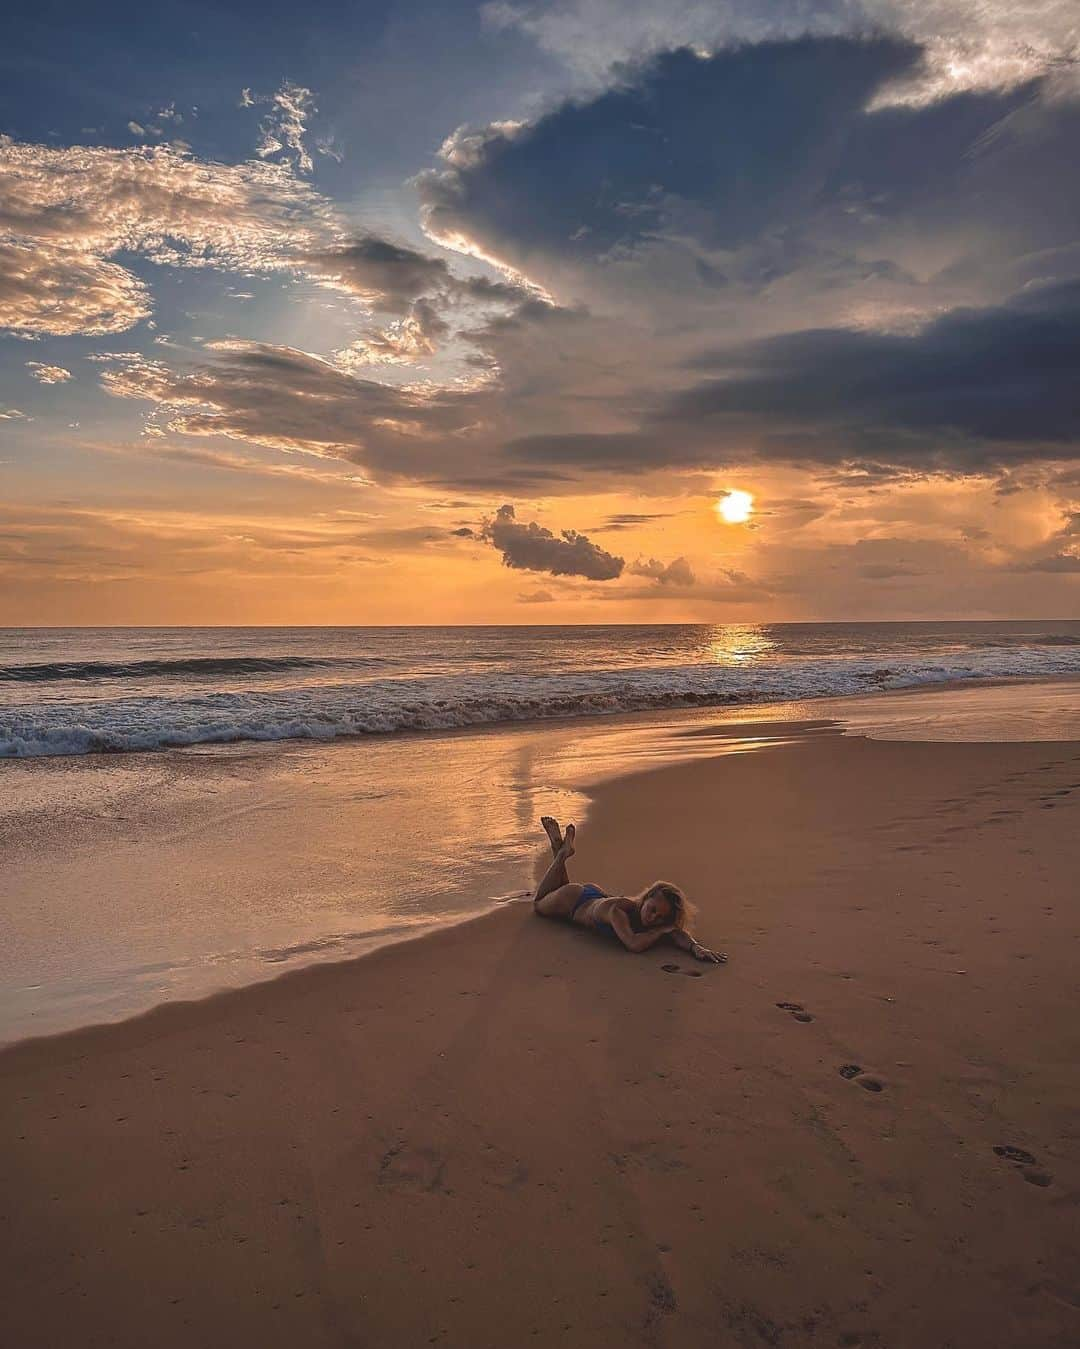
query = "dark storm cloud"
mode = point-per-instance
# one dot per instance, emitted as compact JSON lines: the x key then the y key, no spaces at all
{"x":530,"y":547}
{"x":745,"y":133}
{"x":972,"y":389}
{"x":771,"y":156}
{"x":998,"y":377}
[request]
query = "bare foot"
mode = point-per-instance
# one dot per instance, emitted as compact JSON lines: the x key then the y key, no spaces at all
{"x":554,"y":833}
{"x":567,"y":850}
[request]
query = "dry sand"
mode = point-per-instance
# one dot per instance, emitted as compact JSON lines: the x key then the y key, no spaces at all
{"x":513,"y":1133}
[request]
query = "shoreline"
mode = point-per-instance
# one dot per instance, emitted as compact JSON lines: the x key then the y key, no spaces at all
{"x":768,"y":735}
{"x":184,"y":1011}
{"x":510,"y":1128}
{"x":611,"y":748}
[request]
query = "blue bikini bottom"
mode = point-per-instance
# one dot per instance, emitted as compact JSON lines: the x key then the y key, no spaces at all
{"x":590,"y":892}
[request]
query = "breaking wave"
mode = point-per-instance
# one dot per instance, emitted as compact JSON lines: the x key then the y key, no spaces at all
{"x":386,"y":706}
{"x":51,"y":671}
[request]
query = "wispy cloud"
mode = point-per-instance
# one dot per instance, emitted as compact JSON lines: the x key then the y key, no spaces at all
{"x":283,"y":129}
{"x":74,"y":545}
{"x":406,"y":340}
{"x":329,"y":148}
{"x":267,"y":395}
{"x":65,"y":214}
{"x":48,"y":374}
{"x":237,"y":463}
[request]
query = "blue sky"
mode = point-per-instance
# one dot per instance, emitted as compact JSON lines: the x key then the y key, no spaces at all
{"x":391,"y":77}
{"x":292,"y":306}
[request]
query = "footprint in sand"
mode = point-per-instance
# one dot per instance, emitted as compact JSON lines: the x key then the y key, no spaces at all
{"x":1026,"y":1164}
{"x":502,"y":1170}
{"x":797,"y":1010}
{"x":1011,"y":1154}
{"x":853,"y":1072}
{"x":678,"y":969}
{"x":412,"y":1168}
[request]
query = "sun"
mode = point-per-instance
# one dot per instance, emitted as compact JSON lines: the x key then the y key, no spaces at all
{"x":735,"y":508}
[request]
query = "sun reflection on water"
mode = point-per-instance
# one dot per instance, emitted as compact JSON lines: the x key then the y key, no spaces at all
{"x":738,"y":644}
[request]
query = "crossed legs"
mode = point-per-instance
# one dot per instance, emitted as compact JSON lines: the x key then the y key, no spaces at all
{"x":556,"y":894}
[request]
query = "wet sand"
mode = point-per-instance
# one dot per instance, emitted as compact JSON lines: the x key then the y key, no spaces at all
{"x":511,"y":1132}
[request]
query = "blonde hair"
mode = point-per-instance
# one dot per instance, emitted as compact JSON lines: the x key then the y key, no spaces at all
{"x":681,"y":909}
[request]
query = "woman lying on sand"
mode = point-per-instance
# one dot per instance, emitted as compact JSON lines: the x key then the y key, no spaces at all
{"x":658,"y":912}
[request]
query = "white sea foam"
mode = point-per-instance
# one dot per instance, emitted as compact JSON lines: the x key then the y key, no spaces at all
{"x":384,"y":706}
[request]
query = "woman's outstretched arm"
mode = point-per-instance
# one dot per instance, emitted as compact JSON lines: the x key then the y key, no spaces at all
{"x":685,"y":942}
{"x":637,"y":941}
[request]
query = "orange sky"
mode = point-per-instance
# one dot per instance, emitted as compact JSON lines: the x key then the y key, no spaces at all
{"x":323,"y":550}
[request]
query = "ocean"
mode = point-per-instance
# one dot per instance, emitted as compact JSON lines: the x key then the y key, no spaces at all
{"x":66,"y":691}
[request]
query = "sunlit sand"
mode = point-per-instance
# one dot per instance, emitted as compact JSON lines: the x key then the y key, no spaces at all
{"x":883,"y":1071}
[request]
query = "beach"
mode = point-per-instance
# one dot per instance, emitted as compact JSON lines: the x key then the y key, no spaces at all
{"x":446,"y":444}
{"x":507,"y":1131}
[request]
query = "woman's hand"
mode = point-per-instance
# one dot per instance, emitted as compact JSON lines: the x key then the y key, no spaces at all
{"x":685,"y":942}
